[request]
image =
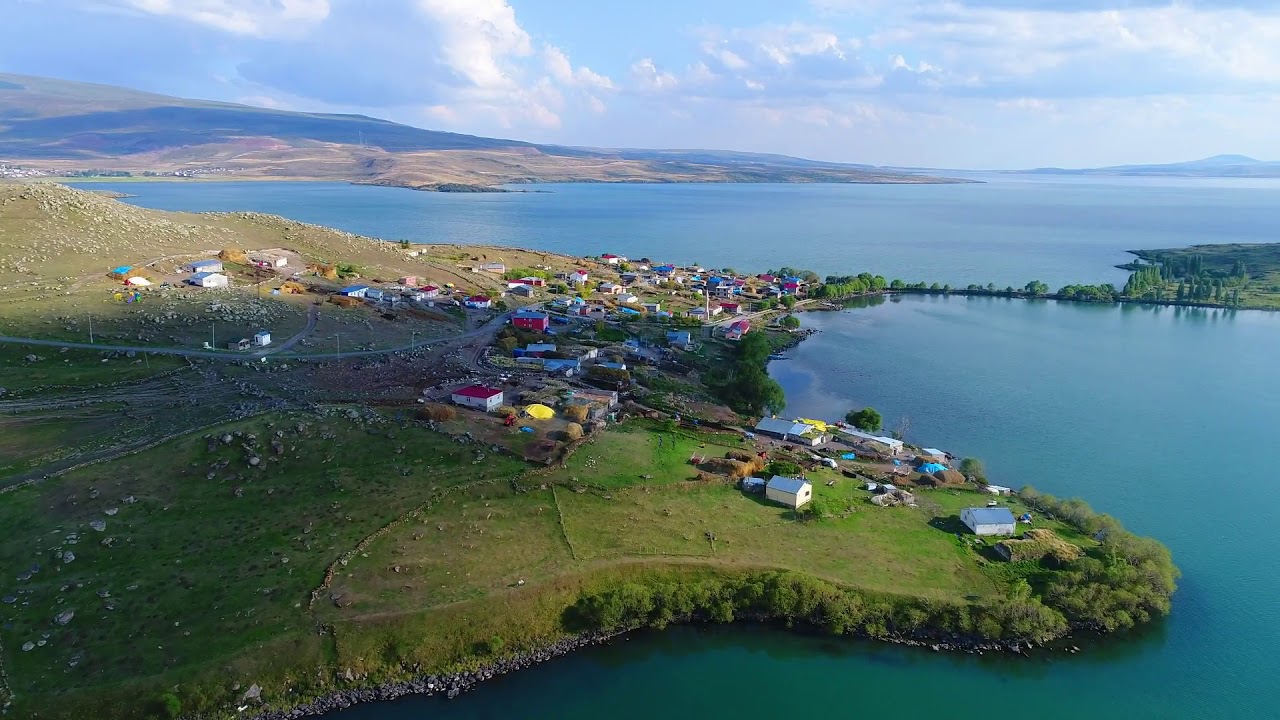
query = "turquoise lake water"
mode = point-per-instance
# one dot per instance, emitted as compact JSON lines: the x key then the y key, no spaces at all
{"x":1166,"y":418}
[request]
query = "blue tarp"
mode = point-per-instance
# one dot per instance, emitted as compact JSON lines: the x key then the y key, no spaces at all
{"x":849,"y":456}
{"x":897,"y":462}
{"x":526,"y":429}
{"x":930,"y":468}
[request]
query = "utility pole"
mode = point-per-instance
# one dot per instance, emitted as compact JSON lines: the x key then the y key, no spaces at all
{"x":90,"y":329}
{"x":213,"y":335}
{"x":339,"y":336}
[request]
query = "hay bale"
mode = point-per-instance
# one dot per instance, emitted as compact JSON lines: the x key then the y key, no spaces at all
{"x":735,"y":469}
{"x":437,"y":412}
{"x":576,"y":413}
{"x":507,"y":411}
{"x":292,"y":287}
{"x":740,"y":455}
{"x":949,"y":477}
{"x":232,"y":255}
{"x":573,"y":431}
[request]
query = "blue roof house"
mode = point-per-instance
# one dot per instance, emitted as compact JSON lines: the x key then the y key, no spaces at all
{"x":989,"y":520}
{"x":356,"y":291}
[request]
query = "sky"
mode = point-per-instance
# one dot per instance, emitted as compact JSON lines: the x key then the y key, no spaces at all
{"x":980,"y":84}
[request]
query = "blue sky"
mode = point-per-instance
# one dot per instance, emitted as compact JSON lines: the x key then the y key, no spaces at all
{"x":940,"y":83}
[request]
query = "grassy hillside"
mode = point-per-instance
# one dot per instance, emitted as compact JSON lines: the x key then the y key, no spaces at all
{"x":63,"y":126}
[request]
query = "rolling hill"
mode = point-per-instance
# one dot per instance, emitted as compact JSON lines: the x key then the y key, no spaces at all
{"x":1219,"y":166}
{"x":61,"y":126}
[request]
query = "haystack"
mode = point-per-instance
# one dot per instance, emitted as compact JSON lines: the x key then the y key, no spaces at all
{"x":1039,"y":544}
{"x":231,"y":255}
{"x":292,"y":287}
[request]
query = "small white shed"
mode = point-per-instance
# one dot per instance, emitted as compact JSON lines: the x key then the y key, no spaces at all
{"x":792,"y":492}
{"x":989,"y":521}
{"x":209,"y":280}
{"x":262,"y":338}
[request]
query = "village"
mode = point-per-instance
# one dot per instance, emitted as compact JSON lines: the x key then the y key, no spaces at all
{"x":564,"y":346}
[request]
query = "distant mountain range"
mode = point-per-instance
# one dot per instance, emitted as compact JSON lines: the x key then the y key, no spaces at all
{"x":1219,"y":166}
{"x":62,"y":126}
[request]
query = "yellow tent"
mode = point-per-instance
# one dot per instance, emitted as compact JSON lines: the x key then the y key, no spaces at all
{"x":822,"y":427}
{"x":540,"y":412}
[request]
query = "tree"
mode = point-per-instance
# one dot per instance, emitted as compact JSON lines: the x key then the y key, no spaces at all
{"x":867,"y":419}
{"x":1036,"y":288}
{"x":973,"y":468}
{"x":791,"y":322}
{"x":788,"y":301}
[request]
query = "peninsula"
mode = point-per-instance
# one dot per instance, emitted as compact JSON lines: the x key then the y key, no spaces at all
{"x":254,"y":467}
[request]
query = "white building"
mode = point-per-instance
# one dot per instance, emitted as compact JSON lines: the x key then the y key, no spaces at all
{"x":578,"y":277}
{"x":262,"y":338}
{"x":205,"y":266}
{"x":792,"y":492}
{"x":209,"y":280}
{"x":988,"y":521}
{"x":478,"y":397}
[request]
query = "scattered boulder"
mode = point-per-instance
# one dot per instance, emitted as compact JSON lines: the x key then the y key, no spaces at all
{"x":111,"y":511}
{"x":254,"y":693}
{"x":64,"y":617}
{"x":99,"y":525}
{"x":68,"y":557}
{"x":28,"y":646}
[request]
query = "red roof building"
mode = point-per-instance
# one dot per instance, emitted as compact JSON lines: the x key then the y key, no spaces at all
{"x":479,"y":397}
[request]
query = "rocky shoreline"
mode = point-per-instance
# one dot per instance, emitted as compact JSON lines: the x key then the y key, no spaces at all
{"x":448,"y":686}
{"x":452,"y":686}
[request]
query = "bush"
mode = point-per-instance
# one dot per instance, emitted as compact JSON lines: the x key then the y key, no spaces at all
{"x":573,"y":431}
{"x":437,"y":412}
{"x":785,"y":468}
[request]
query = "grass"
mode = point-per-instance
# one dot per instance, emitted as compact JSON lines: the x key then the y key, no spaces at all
{"x":56,"y":369}
{"x":200,"y":569}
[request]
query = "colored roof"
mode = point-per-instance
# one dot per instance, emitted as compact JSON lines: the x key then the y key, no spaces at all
{"x":479,"y":298}
{"x":789,"y":485}
{"x":932,"y":451}
{"x":353,"y":288}
{"x":530,"y":315}
{"x":779,"y":426}
{"x":990,"y":516}
{"x":478,"y":391}
{"x":205,"y":275}
{"x":205,"y":263}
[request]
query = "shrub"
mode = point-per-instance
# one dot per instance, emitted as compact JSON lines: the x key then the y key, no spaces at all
{"x":784,"y":468}
{"x":438,"y":412}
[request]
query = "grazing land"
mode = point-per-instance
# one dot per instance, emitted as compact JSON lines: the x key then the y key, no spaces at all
{"x":204,"y":532}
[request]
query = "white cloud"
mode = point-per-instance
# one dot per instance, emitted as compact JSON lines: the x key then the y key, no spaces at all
{"x":558,"y":65}
{"x":650,"y":78}
{"x":477,"y":39}
{"x":244,"y":17}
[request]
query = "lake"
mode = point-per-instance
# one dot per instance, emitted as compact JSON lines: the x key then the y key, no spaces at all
{"x":1163,"y":417}
{"x":1006,"y":232}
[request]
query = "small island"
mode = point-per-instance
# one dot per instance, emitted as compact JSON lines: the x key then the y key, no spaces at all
{"x":314,"y":469}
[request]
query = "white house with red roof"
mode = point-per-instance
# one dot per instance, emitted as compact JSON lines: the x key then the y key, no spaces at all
{"x":731,"y":308}
{"x":735,"y":331}
{"x":478,"y":302}
{"x":612,"y":259}
{"x":578,"y":277}
{"x":479,"y":397}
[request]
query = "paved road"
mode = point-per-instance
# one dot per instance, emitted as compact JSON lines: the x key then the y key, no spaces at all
{"x":232,"y":356}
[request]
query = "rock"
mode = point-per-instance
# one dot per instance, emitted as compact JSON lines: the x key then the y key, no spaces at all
{"x":68,"y":557}
{"x":253,"y":693}
{"x":130,"y":500}
{"x":31,"y":358}
{"x":28,"y":646}
{"x":255,"y":461}
{"x":64,"y":617}
{"x":111,"y":511}
{"x":226,"y":439}
{"x":99,"y":525}
{"x":9,"y":599}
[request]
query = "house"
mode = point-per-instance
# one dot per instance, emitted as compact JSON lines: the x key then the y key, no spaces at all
{"x":412,"y":294}
{"x":478,"y":397}
{"x":478,"y":302}
{"x":766,"y":278}
{"x":262,"y":338}
{"x":375,"y":295}
{"x":536,"y":321}
{"x":613,"y":365}
{"x":204,"y":266}
{"x":782,"y":429}
{"x":629,"y":277}
{"x":611,"y":259}
{"x":652,"y":307}
{"x":665,"y":270}
{"x":567,"y":367}
{"x":537,"y":349}
{"x":522,"y":290}
{"x":697,"y":313}
{"x":409,"y":280}
{"x":792,"y":492}
{"x":988,"y":521}
{"x":933,"y":453}
{"x":680,"y":339}
{"x":895,"y":446}
{"x":607,"y":397}
{"x":998,"y":490}
{"x":493,"y":267}
{"x":354,"y":291}
{"x":716,"y":310}
{"x":791,"y":287}
{"x":269,"y":261}
{"x":610,"y":288}
{"x":241,"y":344}
{"x":737,"y":330}
{"x":578,"y":277}
{"x":209,"y":280}
{"x":628,"y":299}
{"x":731,"y":308}
{"x":429,"y":291}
